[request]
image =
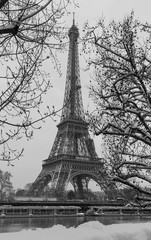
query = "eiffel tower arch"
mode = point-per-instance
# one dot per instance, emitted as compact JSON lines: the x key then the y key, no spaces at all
{"x":73,"y":157}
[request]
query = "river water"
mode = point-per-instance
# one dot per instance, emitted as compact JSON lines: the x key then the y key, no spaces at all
{"x":19,"y":224}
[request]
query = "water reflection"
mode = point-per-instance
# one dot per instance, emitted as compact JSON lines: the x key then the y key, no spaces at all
{"x":18,"y":224}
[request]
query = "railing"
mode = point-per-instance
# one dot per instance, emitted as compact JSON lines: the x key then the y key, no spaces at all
{"x":7,"y":211}
{"x":119,"y":211}
{"x":72,"y":157}
{"x":59,"y":157}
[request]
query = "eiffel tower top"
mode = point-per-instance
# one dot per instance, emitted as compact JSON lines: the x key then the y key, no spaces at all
{"x":73,"y":104}
{"x":73,"y":138}
{"x":73,"y":30}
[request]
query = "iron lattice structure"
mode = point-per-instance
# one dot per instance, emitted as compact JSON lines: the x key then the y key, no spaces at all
{"x":73,"y":157}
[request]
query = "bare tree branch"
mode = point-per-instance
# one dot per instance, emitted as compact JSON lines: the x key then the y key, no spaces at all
{"x":31,"y":33}
{"x":121,"y":58}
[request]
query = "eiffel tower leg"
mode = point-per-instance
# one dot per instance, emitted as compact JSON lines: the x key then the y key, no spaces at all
{"x":80,"y":187}
{"x":74,"y":183}
{"x":38,"y":186}
{"x":58,"y":185}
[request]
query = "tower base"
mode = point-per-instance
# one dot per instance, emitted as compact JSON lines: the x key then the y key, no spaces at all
{"x":63,"y":169}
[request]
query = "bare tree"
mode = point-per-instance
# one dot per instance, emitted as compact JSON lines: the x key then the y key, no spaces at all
{"x":120,"y":54}
{"x":6,"y":188}
{"x":31,"y":31}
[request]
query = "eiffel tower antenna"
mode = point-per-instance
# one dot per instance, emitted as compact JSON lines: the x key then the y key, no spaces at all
{"x":73,"y":18}
{"x":72,"y":157}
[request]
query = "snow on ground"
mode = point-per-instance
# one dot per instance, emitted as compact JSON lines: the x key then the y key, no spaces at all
{"x":86,"y":231}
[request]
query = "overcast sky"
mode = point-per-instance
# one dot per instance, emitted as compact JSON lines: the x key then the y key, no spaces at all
{"x":29,"y":166}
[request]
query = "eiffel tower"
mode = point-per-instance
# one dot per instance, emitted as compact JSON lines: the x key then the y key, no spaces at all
{"x":73,"y":157}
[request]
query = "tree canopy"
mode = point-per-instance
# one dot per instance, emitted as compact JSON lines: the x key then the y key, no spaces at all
{"x":120,"y":55}
{"x":30,"y":33}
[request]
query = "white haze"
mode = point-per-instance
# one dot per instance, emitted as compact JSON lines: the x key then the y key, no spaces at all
{"x":88,"y":231}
